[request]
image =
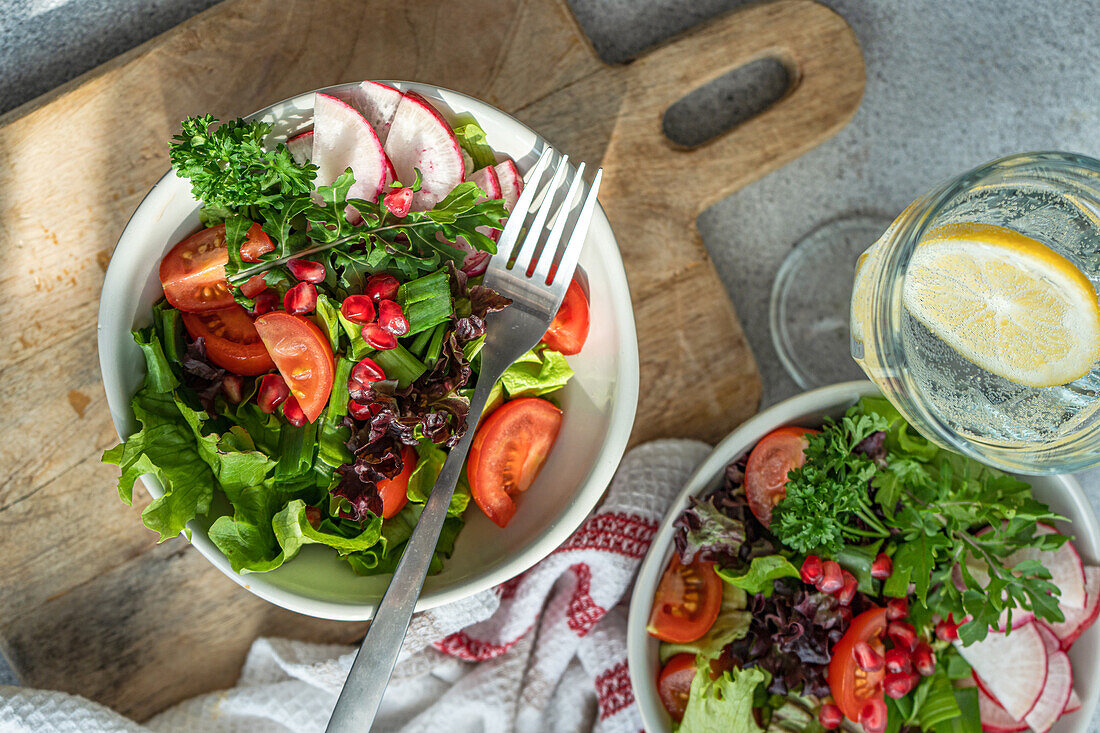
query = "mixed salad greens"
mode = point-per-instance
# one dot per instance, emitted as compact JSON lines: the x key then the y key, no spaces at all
{"x":859,"y":574}
{"x":313,"y":358}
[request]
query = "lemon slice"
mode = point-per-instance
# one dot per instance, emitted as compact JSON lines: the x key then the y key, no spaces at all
{"x":1006,"y":302}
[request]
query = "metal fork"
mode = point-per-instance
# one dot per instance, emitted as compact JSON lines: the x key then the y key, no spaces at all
{"x":529,"y":272}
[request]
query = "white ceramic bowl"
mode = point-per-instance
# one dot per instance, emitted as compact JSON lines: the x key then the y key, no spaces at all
{"x":599,"y":403}
{"x":1062,"y":493}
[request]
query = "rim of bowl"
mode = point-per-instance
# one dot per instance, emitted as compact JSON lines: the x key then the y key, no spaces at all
{"x":589,"y":492}
{"x":816,"y":401}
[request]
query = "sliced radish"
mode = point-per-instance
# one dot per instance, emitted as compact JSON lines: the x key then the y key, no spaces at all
{"x":1050,"y":642}
{"x":1074,"y":703}
{"x":1078,"y":620}
{"x":1012,"y":667}
{"x":420,"y":139}
{"x":343,"y":138}
{"x":300,"y":147}
{"x":378,"y":103}
{"x":1055,"y":697}
{"x":511,"y":183}
{"x":995,"y":718}
{"x":1020,"y":616}
{"x":488,"y":181}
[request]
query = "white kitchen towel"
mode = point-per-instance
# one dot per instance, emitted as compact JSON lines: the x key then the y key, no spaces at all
{"x":544,"y":652}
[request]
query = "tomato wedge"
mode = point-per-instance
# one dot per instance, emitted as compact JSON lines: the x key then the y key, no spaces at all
{"x":507,"y":453}
{"x":688,"y":600}
{"x":231,"y":340}
{"x":674,"y":684}
{"x":770,"y":461}
{"x":193,"y":272}
{"x":303,"y":356}
{"x":395,"y":490}
{"x":569,"y":329}
{"x":853,"y":687}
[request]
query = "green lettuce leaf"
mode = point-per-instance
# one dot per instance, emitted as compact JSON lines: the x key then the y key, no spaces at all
{"x":538,"y":372}
{"x":724,"y":704}
{"x":430,"y":463}
{"x":472,"y":139}
{"x":762,"y":574}
{"x":293,"y":531}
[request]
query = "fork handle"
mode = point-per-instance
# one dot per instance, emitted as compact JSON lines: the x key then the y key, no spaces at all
{"x":370,"y":672}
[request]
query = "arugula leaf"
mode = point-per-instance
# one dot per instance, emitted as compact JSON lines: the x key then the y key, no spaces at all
{"x":761,"y":575}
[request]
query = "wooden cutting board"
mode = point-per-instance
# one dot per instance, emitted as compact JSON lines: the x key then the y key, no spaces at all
{"x":88,"y":602}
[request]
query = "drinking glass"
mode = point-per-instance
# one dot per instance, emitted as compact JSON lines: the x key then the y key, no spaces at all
{"x":1050,"y":197}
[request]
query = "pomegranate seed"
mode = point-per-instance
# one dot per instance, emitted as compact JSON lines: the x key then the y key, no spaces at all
{"x":831,"y":579}
{"x":897,"y":660}
{"x":367,"y":371}
{"x":265,"y":302}
{"x":380,"y":287}
{"x":378,"y":337}
{"x":363,"y":412}
{"x":358,"y":309}
{"x":847,"y":591}
{"x":292,"y":411}
{"x":902,"y":634}
{"x":867,"y":658}
{"x":399,"y":201}
{"x":882,"y":566}
{"x":924,"y":659}
{"x":392,"y":318}
{"x":232,"y":387}
{"x":896,"y":609}
{"x":830,"y":716}
{"x":873,"y":716}
{"x":253,"y":286}
{"x":272,"y":392}
{"x":811,"y":571}
{"x":302,"y":298}
{"x":898,"y":684}
{"x":947,"y":629}
{"x":306,"y":270}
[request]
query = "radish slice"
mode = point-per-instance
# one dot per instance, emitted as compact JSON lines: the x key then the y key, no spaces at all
{"x":511,"y":183}
{"x":1012,"y":667}
{"x":1050,"y":642}
{"x":995,"y":718}
{"x":487,"y":181}
{"x":1078,"y":620}
{"x":420,"y":138}
{"x":378,"y":103}
{"x":1055,"y":697}
{"x":1020,"y":616}
{"x":1074,"y":703}
{"x":344,"y":139}
{"x":300,"y":147}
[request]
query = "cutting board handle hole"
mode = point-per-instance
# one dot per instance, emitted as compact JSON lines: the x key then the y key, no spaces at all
{"x":710,"y":110}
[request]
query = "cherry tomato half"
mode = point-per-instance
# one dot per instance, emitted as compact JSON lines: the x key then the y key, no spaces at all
{"x":193,"y":272}
{"x":303,"y":356}
{"x":853,"y":687}
{"x":231,"y":340}
{"x":507,"y":453}
{"x":569,"y":329}
{"x":395,"y":491}
{"x":770,"y":461}
{"x":687,"y":603}
{"x":674,"y":684}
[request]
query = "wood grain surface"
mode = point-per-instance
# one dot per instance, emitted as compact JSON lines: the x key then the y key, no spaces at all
{"x":88,"y":602}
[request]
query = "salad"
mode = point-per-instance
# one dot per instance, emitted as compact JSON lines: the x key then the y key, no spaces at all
{"x":860,"y":575}
{"x":319,"y":338}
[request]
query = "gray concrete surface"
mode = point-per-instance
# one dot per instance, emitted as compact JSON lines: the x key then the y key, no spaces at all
{"x":949,"y":85}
